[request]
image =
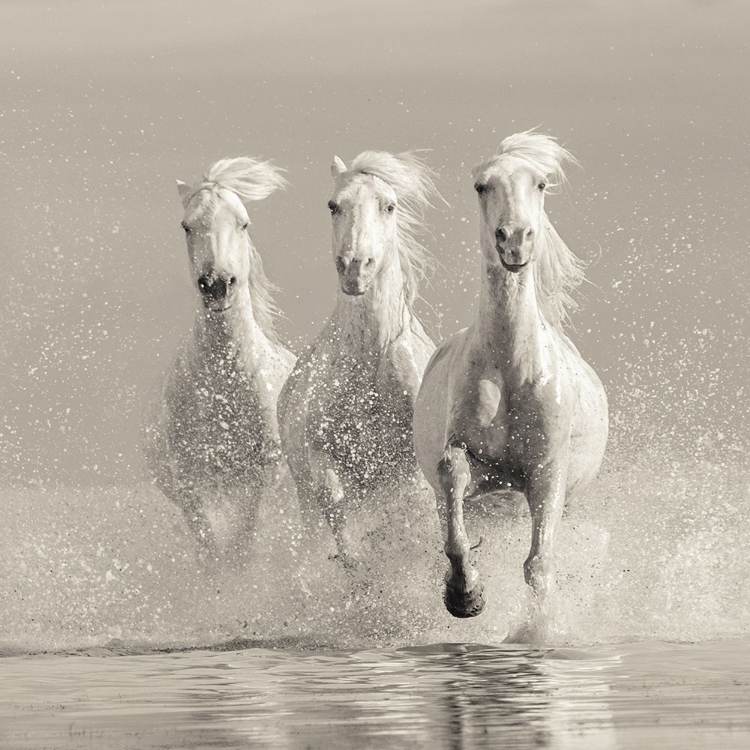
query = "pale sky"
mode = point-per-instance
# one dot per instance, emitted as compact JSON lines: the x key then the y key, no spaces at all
{"x":104,"y":104}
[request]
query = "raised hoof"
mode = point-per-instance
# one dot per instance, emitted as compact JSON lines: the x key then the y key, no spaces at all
{"x":465,"y":603}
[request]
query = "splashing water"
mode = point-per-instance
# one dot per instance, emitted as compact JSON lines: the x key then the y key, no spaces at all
{"x":652,"y":551}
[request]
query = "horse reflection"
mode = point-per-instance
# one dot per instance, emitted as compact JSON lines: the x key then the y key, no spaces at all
{"x":449,"y":697}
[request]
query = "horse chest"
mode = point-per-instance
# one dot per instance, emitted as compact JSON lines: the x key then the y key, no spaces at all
{"x":507,"y":423}
{"x":362,"y":421}
{"x":219,"y":431}
{"x":481,"y":420}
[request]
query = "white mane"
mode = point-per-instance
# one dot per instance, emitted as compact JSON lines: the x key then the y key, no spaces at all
{"x":413,"y":182}
{"x":541,"y":151}
{"x":250,"y":179}
{"x":557,"y":271}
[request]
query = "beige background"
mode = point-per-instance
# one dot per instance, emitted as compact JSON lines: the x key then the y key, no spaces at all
{"x":103,"y":104}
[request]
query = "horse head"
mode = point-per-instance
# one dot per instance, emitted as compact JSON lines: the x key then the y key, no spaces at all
{"x":216,"y":224}
{"x":363,"y":208}
{"x":511,"y":188}
{"x":378,"y":210}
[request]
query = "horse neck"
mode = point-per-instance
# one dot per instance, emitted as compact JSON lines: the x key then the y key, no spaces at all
{"x":230,"y":340}
{"x":371,"y":321}
{"x":510,"y":324}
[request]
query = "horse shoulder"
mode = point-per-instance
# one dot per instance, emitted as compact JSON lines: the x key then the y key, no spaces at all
{"x":406,"y":361}
{"x":445,"y":352}
{"x":272,"y":374}
{"x":584,"y":420}
{"x":584,"y":374}
{"x":299,"y":395}
{"x":293,"y":391}
{"x":436,"y":400}
{"x":285,"y":358}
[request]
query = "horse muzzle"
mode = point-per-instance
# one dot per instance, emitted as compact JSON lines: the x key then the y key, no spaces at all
{"x":353,"y":276}
{"x":512,"y":267}
{"x":514,"y":248}
{"x":216,"y":291}
{"x":353,"y":288}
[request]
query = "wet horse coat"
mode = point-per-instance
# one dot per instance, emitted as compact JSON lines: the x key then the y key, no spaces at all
{"x":346,"y":411}
{"x":509,"y":403}
{"x":212,"y":439}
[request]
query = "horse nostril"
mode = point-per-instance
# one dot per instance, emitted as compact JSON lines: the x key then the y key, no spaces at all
{"x":215,"y":288}
{"x":231,"y":281}
{"x":500,"y":235}
{"x":368,"y":261}
{"x":340,"y":265}
{"x":528,"y":233}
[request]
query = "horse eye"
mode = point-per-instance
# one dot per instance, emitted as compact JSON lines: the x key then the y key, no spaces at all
{"x":390,"y":208}
{"x":245,"y":226}
{"x":542,"y":186}
{"x":333,"y":207}
{"x":480,"y":188}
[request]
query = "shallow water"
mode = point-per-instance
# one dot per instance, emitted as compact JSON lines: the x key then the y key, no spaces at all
{"x":637,"y":560}
{"x":445,"y":696}
{"x":114,"y":636}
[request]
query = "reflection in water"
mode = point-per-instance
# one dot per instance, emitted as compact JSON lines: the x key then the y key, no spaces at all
{"x":452,"y":697}
{"x":522,"y":698}
{"x":449,"y":697}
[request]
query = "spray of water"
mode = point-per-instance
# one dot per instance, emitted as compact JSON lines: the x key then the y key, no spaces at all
{"x":654,"y":550}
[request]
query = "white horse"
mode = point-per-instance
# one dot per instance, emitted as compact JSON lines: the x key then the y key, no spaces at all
{"x":508,"y":403}
{"x":212,"y":436}
{"x":345,"y":413}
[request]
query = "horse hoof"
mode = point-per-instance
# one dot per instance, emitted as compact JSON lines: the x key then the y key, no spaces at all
{"x":465,"y":603}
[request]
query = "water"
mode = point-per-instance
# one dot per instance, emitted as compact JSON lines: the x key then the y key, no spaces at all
{"x":114,"y":636}
{"x":652,"y":551}
{"x":453,"y":696}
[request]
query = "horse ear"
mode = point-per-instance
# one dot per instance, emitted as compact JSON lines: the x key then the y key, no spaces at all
{"x":338,"y":167}
{"x":184,"y":190}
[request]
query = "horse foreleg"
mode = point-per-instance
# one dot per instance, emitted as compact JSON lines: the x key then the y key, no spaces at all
{"x":330,"y":498}
{"x":200,"y":526}
{"x":464,"y":592}
{"x":545,"y":492}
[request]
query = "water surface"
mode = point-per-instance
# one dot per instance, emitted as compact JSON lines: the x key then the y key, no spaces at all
{"x":448,"y":696}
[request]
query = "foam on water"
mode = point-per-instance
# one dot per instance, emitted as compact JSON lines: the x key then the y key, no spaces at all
{"x":654,"y":550}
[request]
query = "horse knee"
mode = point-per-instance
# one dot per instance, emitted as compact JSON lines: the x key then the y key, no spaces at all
{"x":454,"y":459}
{"x":453,"y":467}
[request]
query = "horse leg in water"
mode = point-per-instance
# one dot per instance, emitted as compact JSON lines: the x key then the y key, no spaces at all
{"x":329,"y":496}
{"x":464,"y":592}
{"x":197,"y":521}
{"x":545,"y":493}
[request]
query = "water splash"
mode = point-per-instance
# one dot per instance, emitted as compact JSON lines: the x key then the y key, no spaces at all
{"x":652,"y":551}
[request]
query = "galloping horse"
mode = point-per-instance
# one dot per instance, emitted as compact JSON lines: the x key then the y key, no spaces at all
{"x":345,"y":413}
{"x":212,"y":437}
{"x":508,"y":403}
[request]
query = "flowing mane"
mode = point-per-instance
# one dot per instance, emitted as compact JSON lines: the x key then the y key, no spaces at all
{"x":265,"y":310}
{"x":413,"y":182}
{"x":251,"y":180}
{"x":558,"y":271}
